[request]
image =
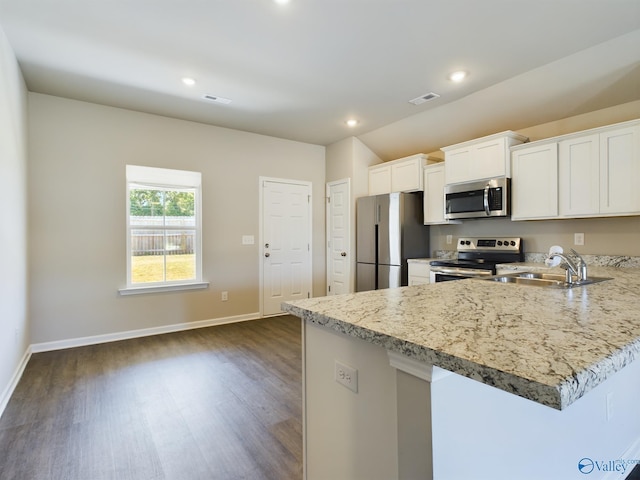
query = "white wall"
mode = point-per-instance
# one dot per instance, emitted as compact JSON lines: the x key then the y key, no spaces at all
{"x":78,"y":153}
{"x":484,"y":433}
{"x":14,"y":328}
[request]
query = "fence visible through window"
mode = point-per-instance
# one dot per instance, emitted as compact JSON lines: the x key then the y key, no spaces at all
{"x":144,"y":242}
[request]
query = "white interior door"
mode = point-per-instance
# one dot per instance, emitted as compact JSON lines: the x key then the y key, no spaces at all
{"x":286,"y":243}
{"x":338,"y":237}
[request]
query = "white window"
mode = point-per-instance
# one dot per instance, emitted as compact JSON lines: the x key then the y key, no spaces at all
{"x":164,"y":231}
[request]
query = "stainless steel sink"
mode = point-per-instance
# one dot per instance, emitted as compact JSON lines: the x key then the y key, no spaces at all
{"x":541,"y":279}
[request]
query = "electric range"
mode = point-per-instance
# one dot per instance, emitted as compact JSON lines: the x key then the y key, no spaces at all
{"x":477,"y":256}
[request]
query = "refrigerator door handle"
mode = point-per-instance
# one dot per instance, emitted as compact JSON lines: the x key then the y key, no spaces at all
{"x":377,"y":214}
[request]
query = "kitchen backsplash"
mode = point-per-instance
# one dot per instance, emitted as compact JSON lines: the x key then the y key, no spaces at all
{"x":599,"y":260}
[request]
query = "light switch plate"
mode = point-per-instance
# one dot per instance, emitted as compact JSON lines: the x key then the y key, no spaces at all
{"x":248,"y":240}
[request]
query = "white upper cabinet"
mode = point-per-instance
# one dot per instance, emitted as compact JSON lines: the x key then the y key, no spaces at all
{"x":379,"y":179}
{"x":598,"y":174}
{"x":485,"y":157}
{"x":620,"y":171}
{"x":402,"y":175}
{"x":579,"y":176}
{"x":534,"y":182}
{"x":434,"y":194}
{"x":433,"y":199}
{"x":406,"y":176}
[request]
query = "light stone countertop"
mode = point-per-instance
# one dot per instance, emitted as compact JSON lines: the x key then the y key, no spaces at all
{"x":420,"y":260}
{"x":548,"y":345}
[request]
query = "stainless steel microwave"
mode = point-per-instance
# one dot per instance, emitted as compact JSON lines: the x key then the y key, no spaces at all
{"x":478,"y":199}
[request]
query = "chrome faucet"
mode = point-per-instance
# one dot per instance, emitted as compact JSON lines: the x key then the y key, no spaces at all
{"x":577,"y":267}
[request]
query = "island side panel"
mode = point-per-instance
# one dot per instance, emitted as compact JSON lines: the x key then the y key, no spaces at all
{"x":482,"y":432}
{"x":348,"y":435}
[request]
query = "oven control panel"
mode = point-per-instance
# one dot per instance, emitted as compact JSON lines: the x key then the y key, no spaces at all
{"x":510,"y":244}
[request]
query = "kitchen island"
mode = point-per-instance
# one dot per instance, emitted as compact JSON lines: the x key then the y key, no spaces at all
{"x":434,"y":363}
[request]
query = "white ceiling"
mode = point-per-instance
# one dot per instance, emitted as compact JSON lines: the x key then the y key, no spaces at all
{"x":299,"y":71}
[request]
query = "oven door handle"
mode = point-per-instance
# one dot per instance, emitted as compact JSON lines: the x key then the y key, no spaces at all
{"x":487,"y":189}
{"x":461,"y":272}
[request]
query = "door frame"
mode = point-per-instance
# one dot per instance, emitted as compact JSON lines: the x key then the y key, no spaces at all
{"x":309,"y":185}
{"x":346,"y":181}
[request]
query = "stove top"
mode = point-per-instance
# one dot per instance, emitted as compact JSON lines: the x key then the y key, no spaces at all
{"x":483,"y":253}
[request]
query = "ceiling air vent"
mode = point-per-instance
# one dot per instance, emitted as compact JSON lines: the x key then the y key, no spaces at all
{"x":213,"y":98}
{"x":424,"y":98}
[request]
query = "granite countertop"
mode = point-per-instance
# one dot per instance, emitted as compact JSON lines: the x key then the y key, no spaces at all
{"x":548,"y":345}
{"x":420,"y":260}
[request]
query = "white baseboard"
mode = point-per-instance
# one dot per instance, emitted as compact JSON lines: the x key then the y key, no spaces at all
{"x":145,"y":332}
{"x":6,"y":395}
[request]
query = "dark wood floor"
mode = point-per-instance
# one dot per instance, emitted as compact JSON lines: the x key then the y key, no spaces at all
{"x":215,"y":403}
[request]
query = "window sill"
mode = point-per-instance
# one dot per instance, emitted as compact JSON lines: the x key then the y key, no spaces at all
{"x":163,"y":288}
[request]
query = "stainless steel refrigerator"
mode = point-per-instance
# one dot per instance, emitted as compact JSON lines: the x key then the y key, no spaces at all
{"x":389,"y":230}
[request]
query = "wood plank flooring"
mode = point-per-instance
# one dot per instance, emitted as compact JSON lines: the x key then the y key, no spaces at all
{"x":222,"y":402}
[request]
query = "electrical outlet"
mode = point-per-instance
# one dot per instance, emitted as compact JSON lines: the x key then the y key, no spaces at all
{"x":225,"y":296}
{"x":578,"y":238}
{"x":347,"y":376}
{"x":449,"y":239}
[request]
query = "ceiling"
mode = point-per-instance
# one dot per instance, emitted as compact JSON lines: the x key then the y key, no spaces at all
{"x":298,"y":71}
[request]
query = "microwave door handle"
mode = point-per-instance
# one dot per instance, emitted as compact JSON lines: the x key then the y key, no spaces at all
{"x":486,"y":199}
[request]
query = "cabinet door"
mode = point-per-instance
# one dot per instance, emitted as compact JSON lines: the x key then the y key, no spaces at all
{"x":407,"y":176}
{"x":488,"y":160}
{"x":457,"y":165}
{"x":434,"y":194}
{"x":380,"y":180}
{"x":419,"y":273}
{"x":579,"y":176}
{"x":534,"y":182}
{"x":620,"y":171}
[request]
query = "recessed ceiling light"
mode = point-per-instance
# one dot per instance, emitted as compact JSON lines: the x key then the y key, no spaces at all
{"x":458,"y":76}
{"x":352,"y":122}
{"x":282,"y":2}
{"x":188,"y":81}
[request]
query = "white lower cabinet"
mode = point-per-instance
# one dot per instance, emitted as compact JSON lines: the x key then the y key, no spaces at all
{"x":419,"y":272}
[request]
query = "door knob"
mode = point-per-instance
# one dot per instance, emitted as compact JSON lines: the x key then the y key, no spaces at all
{"x":266,"y":245}
{"x":344,"y":254}
{"x":267,"y":254}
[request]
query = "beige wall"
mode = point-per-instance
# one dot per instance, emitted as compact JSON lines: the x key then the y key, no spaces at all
{"x":603,"y":236}
{"x":349,"y":435}
{"x":350,"y":158}
{"x":14,"y":328}
{"x":78,"y":153}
